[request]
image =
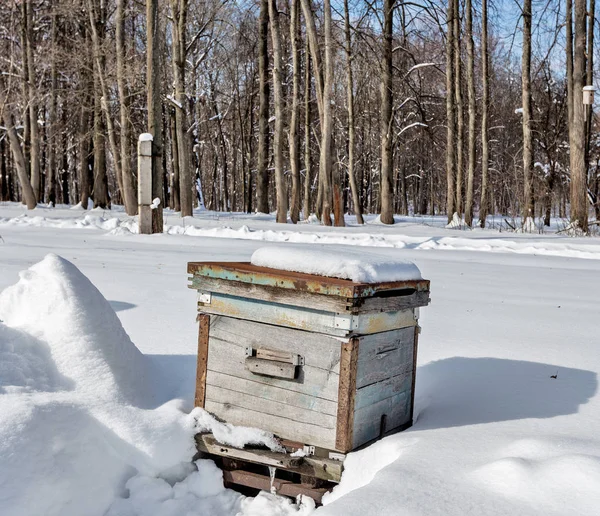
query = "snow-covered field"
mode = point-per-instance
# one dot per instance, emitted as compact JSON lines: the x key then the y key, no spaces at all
{"x":89,"y":425}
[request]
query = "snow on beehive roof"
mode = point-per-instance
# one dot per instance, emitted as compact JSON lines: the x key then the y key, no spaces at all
{"x":357,"y":266}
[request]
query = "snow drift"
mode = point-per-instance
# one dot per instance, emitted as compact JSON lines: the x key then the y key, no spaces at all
{"x":78,"y":411}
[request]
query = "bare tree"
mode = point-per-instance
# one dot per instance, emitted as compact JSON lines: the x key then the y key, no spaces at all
{"x":387,"y":204}
{"x":450,"y":114}
{"x":579,"y":206}
{"x":485,"y":158}
{"x":19,"y":159}
{"x":294,"y":138}
{"x":282,"y":203}
{"x":351,"y":122}
{"x":528,"y":198}
{"x":179,"y":10}
{"x":460,"y":124}
{"x":129,"y":196}
{"x":472,"y":113}
{"x":262,"y":170}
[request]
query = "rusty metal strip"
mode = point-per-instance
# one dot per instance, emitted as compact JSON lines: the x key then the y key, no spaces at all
{"x":203,"y":335}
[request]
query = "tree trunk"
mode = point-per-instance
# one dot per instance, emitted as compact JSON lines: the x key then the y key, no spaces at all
{"x":450,"y":114}
{"x":589,"y":81}
{"x":51,"y":172}
{"x":294,"y":120}
{"x":155,"y":118}
{"x":528,"y":200}
{"x":311,"y":34}
{"x":387,"y":202}
{"x":33,"y":106}
{"x":483,"y":204}
{"x":460,"y":124}
{"x":472,"y":114}
{"x":262,"y":166}
{"x":179,"y":8}
{"x":579,"y":207}
{"x":128,"y":188}
{"x":18,"y":157}
{"x":282,"y":201}
{"x":307,"y":123}
{"x":327,"y":126}
{"x":350,"y":100}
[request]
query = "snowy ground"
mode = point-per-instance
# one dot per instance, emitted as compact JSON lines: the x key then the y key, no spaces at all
{"x":495,"y":433}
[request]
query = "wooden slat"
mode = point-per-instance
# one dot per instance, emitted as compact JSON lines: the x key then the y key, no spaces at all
{"x":272,"y":368}
{"x":275,"y":354}
{"x":347,"y":389}
{"x":267,"y":406}
{"x":376,"y":392}
{"x":384,"y":355}
{"x":393,"y":303}
{"x":307,"y":319}
{"x":322,"y":468}
{"x":271,"y":294}
{"x":247,"y":273}
{"x":319,"y":351}
{"x":377,"y":322}
{"x":203,"y":337}
{"x":414,"y":373}
{"x":283,"y":427}
{"x":267,"y":392}
{"x":282,"y":487}
{"x":367,"y":421}
{"x":273,"y":313}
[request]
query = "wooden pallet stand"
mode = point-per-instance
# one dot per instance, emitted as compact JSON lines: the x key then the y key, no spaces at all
{"x":282,"y":473}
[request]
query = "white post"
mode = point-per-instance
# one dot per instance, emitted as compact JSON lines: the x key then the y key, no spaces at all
{"x":145,"y":183}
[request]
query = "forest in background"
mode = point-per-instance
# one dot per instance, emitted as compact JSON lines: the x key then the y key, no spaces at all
{"x":299,"y":107}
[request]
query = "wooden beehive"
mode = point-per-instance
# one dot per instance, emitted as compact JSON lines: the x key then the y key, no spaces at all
{"x":321,"y":361}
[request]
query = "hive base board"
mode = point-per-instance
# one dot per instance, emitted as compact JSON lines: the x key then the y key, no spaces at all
{"x":321,"y":468}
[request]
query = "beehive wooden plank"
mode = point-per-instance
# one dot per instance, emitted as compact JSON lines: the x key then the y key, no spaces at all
{"x":271,"y":294}
{"x":368,"y":420}
{"x":347,"y":388}
{"x":268,"y":406}
{"x":203,"y":337}
{"x":391,"y":302}
{"x":384,"y":355}
{"x":378,"y":322}
{"x":278,"y":394}
{"x":289,"y":428}
{"x":376,"y":392}
{"x":315,"y":321}
{"x":319,"y":351}
{"x":318,"y":377}
{"x":247,"y":273}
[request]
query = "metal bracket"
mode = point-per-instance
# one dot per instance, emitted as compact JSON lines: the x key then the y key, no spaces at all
{"x":341,"y":457}
{"x":204,"y":297}
{"x":309,"y":450}
{"x":345,"y":321}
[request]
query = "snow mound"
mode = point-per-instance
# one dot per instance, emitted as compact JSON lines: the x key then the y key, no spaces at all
{"x":567,"y":483}
{"x":53,"y":301}
{"x":78,"y":415}
{"x":358,"y":266}
{"x":237,"y":436}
